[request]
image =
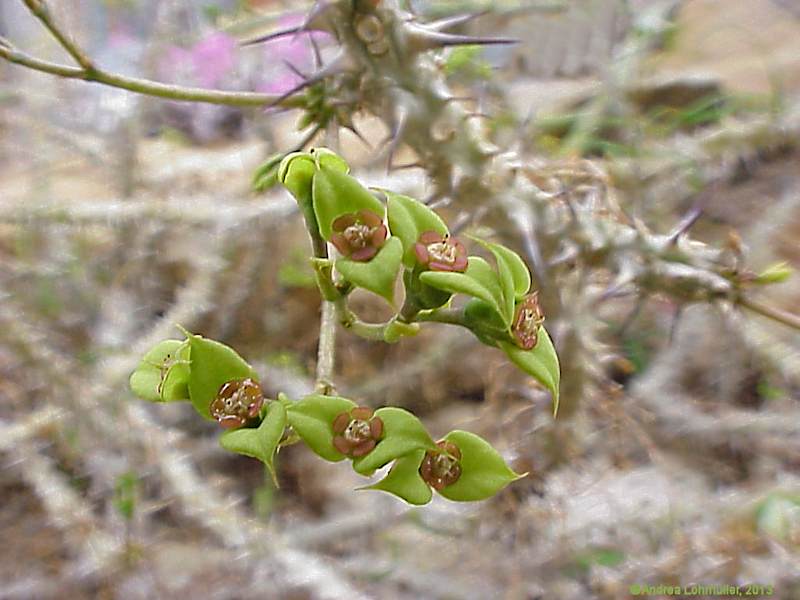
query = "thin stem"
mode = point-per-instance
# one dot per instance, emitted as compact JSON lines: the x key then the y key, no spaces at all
{"x":326,"y":351}
{"x":39,"y":9}
{"x":776,"y":314}
{"x":134,"y":84}
{"x":348,"y":320}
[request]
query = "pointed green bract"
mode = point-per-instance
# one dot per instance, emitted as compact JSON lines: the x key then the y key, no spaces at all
{"x":329,"y":159}
{"x":483,"y":470}
{"x":541,"y":363}
{"x":312,"y":419}
{"x":296,"y":173}
{"x":378,"y":274}
{"x":405,"y":481}
{"x":163,"y":373}
{"x":213,"y":364}
{"x":262,"y":442}
{"x":335,"y":194}
{"x":408,"y":219}
{"x":402,"y":433}
{"x":422,"y":295}
{"x":478,"y":281}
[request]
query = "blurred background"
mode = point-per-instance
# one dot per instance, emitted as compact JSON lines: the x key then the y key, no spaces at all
{"x":676,"y":457}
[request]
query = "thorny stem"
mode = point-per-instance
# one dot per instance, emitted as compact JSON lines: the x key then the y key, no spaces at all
{"x":88,"y":71}
{"x":776,"y":314}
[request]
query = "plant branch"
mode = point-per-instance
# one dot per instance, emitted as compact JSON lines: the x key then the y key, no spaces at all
{"x":776,"y":314}
{"x":348,"y":320}
{"x":326,"y":351}
{"x":451,"y":316}
{"x":88,"y":71}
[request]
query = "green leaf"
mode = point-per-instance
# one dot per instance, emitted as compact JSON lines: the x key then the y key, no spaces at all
{"x":262,"y":442}
{"x":163,"y":373}
{"x":328,"y":158}
{"x":541,"y":363}
{"x":296,"y":173}
{"x":312,"y":419}
{"x":775,"y":273}
{"x":266,"y":175}
{"x":335,"y":194}
{"x":377,"y":275}
{"x":514,"y":276}
{"x":478,"y":281}
{"x":402,"y":433}
{"x":484,"y":322}
{"x":483,"y":470}
{"x":404,"y":480}
{"x":213,"y":364}
{"x":408,"y":219}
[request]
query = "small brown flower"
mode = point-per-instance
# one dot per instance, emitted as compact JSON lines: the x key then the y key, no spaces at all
{"x":527,"y":320}
{"x":441,"y":252}
{"x":237,"y":402}
{"x":442,"y":468}
{"x":359,"y":235}
{"x":357,"y":432}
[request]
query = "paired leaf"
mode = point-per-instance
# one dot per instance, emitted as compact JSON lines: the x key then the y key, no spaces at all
{"x":479,"y":281}
{"x":213,"y":364}
{"x":335,"y":194}
{"x":163,"y":373}
{"x":515,"y":279}
{"x":408,"y":219}
{"x":405,"y":481}
{"x":422,"y":295}
{"x":377,"y":275}
{"x":312,"y":419}
{"x":262,"y":442}
{"x":402,"y":433}
{"x":541,"y":363}
{"x":483,"y":470}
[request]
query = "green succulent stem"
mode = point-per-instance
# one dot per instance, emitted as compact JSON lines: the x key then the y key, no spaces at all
{"x":451,"y":316}
{"x":351,"y":322}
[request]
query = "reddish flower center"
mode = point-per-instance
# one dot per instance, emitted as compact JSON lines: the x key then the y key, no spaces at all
{"x":443,"y":251}
{"x":442,"y":468}
{"x":236,"y":402}
{"x":358,"y":235}
{"x":357,"y":431}
{"x":527,"y":322}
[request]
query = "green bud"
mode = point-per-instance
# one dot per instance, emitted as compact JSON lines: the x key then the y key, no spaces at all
{"x":776,"y":273}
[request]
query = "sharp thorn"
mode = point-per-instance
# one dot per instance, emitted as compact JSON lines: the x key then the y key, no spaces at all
{"x":317,"y":53}
{"x":455,"y":21}
{"x":426,"y":39}
{"x":272,"y":36}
